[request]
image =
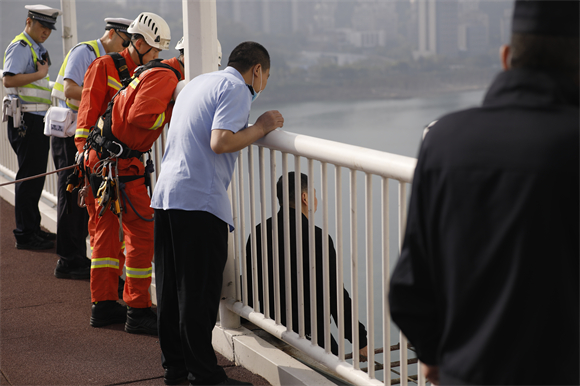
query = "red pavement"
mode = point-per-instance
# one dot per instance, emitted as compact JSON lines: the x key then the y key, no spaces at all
{"x":45,"y":336}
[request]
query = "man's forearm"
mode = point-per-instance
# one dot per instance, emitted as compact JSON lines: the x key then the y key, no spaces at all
{"x":225,"y":141}
{"x":72,"y":90}
{"x":20,"y":80}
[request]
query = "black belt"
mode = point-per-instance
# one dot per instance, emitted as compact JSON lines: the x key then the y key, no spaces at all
{"x":116,"y":148}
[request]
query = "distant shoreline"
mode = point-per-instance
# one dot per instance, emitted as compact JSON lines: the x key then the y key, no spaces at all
{"x":405,"y":87}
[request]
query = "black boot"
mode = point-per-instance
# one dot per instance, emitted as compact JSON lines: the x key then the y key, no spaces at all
{"x":79,"y":268}
{"x":107,"y":312}
{"x":141,"y":321}
{"x":174,"y":376}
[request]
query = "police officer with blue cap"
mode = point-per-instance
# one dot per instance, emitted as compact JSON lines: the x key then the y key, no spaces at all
{"x":26,"y":78}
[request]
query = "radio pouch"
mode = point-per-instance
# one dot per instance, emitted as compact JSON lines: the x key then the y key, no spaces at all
{"x":60,"y":122}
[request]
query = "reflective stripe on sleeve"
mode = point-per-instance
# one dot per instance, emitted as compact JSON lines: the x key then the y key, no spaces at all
{"x":139,"y":273}
{"x":158,"y":122}
{"x":112,"y":82}
{"x":81,"y":133}
{"x":105,"y":262}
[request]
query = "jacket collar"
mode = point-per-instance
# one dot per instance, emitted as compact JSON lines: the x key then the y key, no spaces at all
{"x":531,"y":88}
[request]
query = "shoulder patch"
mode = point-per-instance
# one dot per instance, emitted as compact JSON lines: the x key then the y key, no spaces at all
{"x":23,"y":43}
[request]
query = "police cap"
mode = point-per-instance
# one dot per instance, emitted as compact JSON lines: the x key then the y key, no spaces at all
{"x":118,"y":23}
{"x":547,"y":17}
{"x":43,"y":14}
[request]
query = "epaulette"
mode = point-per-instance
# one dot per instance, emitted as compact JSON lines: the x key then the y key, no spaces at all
{"x":23,"y":43}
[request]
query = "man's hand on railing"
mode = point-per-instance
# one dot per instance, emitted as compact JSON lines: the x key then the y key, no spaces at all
{"x":269,"y":121}
{"x":431,"y":373}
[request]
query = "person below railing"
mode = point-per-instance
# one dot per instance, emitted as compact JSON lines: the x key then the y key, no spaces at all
{"x":320,"y":301}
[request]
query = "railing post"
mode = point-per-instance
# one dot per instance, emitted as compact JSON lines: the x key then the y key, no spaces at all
{"x":69,"y":25}
{"x":200,"y":27}
{"x":229,"y":319}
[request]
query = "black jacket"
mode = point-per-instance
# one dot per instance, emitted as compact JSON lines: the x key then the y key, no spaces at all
{"x":306,"y":280}
{"x":487,"y":283}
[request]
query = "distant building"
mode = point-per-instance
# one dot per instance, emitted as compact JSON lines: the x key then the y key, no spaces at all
{"x":437,"y":28}
{"x":473,"y":32}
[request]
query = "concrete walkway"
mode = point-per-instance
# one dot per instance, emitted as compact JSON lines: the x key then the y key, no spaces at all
{"x":45,"y":336}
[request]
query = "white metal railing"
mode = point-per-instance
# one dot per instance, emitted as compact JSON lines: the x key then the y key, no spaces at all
{"x":9,"y":162}
{"x":373,"y":234}
{"x":357,"y":242}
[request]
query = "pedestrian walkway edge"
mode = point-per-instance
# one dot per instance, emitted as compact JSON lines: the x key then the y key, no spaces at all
{"x":250,"y":351}
{"x":240,"y":345}
{"x":47,"y":211}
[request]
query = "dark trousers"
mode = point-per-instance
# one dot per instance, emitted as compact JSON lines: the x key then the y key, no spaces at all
{"x":190,"y":256}
{"x":72,"y":220}
{"x":32,"y":153}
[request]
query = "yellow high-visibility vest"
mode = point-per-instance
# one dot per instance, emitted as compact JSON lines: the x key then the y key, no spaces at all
{"x":58,"y":89}
{"x":37,"y":92}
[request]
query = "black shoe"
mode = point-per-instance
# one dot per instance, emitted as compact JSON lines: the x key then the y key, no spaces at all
{"x":231,"y":381}
{"x":46,"y":235}
{"x":35,"y":243}
{"x":121,"y":287}
{"x":175,"y":376}
{"x":79,"y":269}
{"x":107,"y":312}
{"x":141,"y":321}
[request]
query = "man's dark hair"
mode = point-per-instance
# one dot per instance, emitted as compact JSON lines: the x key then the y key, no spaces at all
{"x":291,"y":196}
{"x":135,"y":37}
{"x":547,"y":53}
{"x":248,"y":54}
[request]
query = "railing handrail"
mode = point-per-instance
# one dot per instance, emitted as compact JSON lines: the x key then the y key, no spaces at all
{"x":370,"y":161}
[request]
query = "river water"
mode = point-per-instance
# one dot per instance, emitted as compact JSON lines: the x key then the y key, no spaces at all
{"x":393,"y":126}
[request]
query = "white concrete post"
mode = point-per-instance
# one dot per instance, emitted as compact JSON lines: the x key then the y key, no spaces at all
{"x":69,"y":25}
{"x":229,"y":319}
{"x":200,"y":31}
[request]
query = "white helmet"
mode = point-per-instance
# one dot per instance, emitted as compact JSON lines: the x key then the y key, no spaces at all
{"x":181,"y":45}
{"x":219,"y":53}
{"x":153,"y":28}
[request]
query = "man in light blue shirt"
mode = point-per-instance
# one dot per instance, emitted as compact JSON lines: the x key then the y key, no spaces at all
{"x":25,"y":76}
{"x":192,"y":210}
{"x":72,"y":220}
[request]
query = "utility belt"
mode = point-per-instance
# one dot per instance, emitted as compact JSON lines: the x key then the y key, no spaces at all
{"x":13,"y":107}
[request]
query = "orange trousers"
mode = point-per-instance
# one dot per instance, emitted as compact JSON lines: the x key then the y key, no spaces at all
{"x":107,"y":262}
{"x":92,"y":210}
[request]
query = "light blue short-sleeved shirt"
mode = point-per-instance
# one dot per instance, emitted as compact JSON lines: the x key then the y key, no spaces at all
{"x":79,"y":60}
{"x":19,"y":60}
{"x":193,"y":177}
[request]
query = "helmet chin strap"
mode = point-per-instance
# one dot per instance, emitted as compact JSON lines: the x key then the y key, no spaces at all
{"x":140,"y":54}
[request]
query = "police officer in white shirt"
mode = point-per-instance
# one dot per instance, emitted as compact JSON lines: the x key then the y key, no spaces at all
{"x":26,"y":77}
{"x":72,"y":220}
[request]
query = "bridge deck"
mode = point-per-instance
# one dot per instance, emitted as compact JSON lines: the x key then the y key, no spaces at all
{"x":45,"y":336}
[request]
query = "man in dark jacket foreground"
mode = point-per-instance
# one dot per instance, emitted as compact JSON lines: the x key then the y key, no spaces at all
{"x":486,"y":288}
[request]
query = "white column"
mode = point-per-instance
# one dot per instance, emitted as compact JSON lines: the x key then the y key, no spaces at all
{"x":200,"y":30}
{"x":69,"y":25}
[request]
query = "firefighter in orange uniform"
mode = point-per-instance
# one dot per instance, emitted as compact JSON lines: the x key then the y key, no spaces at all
{"x":150,"y":34}
{"x":139,"y":114}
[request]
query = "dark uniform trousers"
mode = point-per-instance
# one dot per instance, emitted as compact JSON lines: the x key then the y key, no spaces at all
{"x":32,"y":152}
{"x":190,"y":256}
{"x":72,"y":220}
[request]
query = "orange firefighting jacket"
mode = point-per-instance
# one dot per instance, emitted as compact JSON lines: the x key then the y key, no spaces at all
{"x":101,"y":83}
{"x":143,"y":108}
